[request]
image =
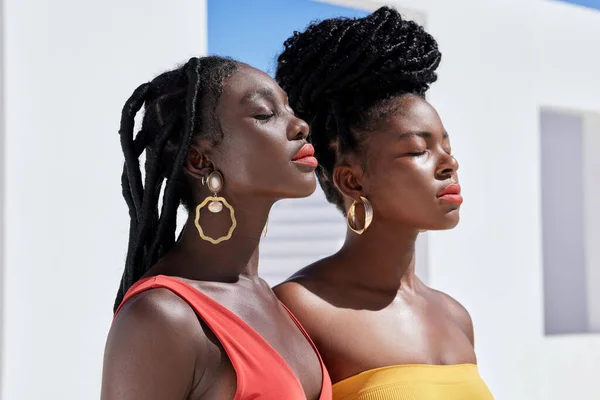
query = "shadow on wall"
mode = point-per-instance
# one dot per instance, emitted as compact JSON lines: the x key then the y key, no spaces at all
{"x":570,"y":218}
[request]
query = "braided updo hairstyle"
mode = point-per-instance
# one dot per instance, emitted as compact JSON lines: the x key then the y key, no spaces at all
{"x":342,"y":76}
{"x":178,"y":106}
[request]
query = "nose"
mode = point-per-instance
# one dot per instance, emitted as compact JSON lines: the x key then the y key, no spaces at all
{"x":298,"y":129}
{"x":447,"y":166}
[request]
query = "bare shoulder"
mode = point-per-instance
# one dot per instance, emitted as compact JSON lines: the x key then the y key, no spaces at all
{"x":153,"y":325}
{"x":162,"y":301}
{"x":159,"y":309}
{"x":301,"y":293}
{"x":297,"y":293}
{"x":306,"y":284}
{"x":458,"y":312}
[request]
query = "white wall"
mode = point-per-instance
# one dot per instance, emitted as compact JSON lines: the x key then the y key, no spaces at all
{"x":69,"y":66}
{"x":568,"y":368}
{"x":567,"y":68}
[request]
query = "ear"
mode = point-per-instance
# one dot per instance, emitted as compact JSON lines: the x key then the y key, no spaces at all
{"x":347,"y":179}
{"x":198,"y":163}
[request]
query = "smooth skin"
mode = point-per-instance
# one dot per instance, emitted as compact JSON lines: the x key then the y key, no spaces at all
{"x":364,"y":307}
{"x":157,"y":348}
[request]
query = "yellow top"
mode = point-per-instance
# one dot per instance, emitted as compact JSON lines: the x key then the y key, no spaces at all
{"x":415,"y":382}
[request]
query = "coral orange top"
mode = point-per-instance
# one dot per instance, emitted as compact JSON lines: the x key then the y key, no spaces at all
{"x":261,"y":372}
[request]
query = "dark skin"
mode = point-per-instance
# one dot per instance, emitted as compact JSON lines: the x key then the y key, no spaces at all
{"x":364,"y":306}
{"x":157,"y":348}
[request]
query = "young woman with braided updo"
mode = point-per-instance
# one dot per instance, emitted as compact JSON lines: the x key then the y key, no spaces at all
{"x":385,"y":161}
{"x":193,"y":319}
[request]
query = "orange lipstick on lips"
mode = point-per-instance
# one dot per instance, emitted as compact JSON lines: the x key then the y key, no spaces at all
{"x":451,"y":194}
{"x":306,"y":156}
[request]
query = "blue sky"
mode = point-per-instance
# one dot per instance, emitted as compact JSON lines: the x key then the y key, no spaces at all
{"x":253,"y":31}
{"x":587,"y":3}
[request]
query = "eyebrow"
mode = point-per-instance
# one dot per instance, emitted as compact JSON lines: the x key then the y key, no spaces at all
{"x":424,"y":135}
{"x":260,"y":92}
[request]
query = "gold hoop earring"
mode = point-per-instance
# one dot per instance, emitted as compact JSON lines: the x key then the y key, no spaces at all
{"x":215,"y":206}
{"x":351,"y":216}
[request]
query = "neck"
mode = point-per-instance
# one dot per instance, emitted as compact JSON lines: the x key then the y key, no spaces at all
{"x":195,"y":258}
{"x":381,"y":259}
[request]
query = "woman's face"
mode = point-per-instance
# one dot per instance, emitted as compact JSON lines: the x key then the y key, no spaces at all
{"x":264,"y":150}
{"x":410,"y":175}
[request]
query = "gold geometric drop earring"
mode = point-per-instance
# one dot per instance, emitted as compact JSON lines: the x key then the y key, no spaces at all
{"x":215,"y":203}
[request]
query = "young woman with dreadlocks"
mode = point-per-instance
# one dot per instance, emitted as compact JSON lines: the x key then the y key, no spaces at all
{"x":193,"y":319}
{"x":385,"y":161}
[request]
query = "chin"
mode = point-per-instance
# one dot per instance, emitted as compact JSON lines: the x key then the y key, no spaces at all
{"x":300,"y":189}
{"x":307,"y":187}
{"x":451,"y":219}
{"x":448,"y":221}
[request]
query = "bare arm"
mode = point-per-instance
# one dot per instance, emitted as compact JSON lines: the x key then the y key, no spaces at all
{"x":152,"y":349}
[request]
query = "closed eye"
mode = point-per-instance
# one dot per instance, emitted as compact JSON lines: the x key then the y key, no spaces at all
{"x":417,"y":154}
{"x":264,"y":117}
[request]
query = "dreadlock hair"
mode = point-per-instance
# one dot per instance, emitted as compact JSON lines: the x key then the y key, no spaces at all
{"x":178,"y":105}
{"x":342,"y":76}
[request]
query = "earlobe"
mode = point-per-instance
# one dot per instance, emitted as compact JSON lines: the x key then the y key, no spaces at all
{"x":347,"y":182}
